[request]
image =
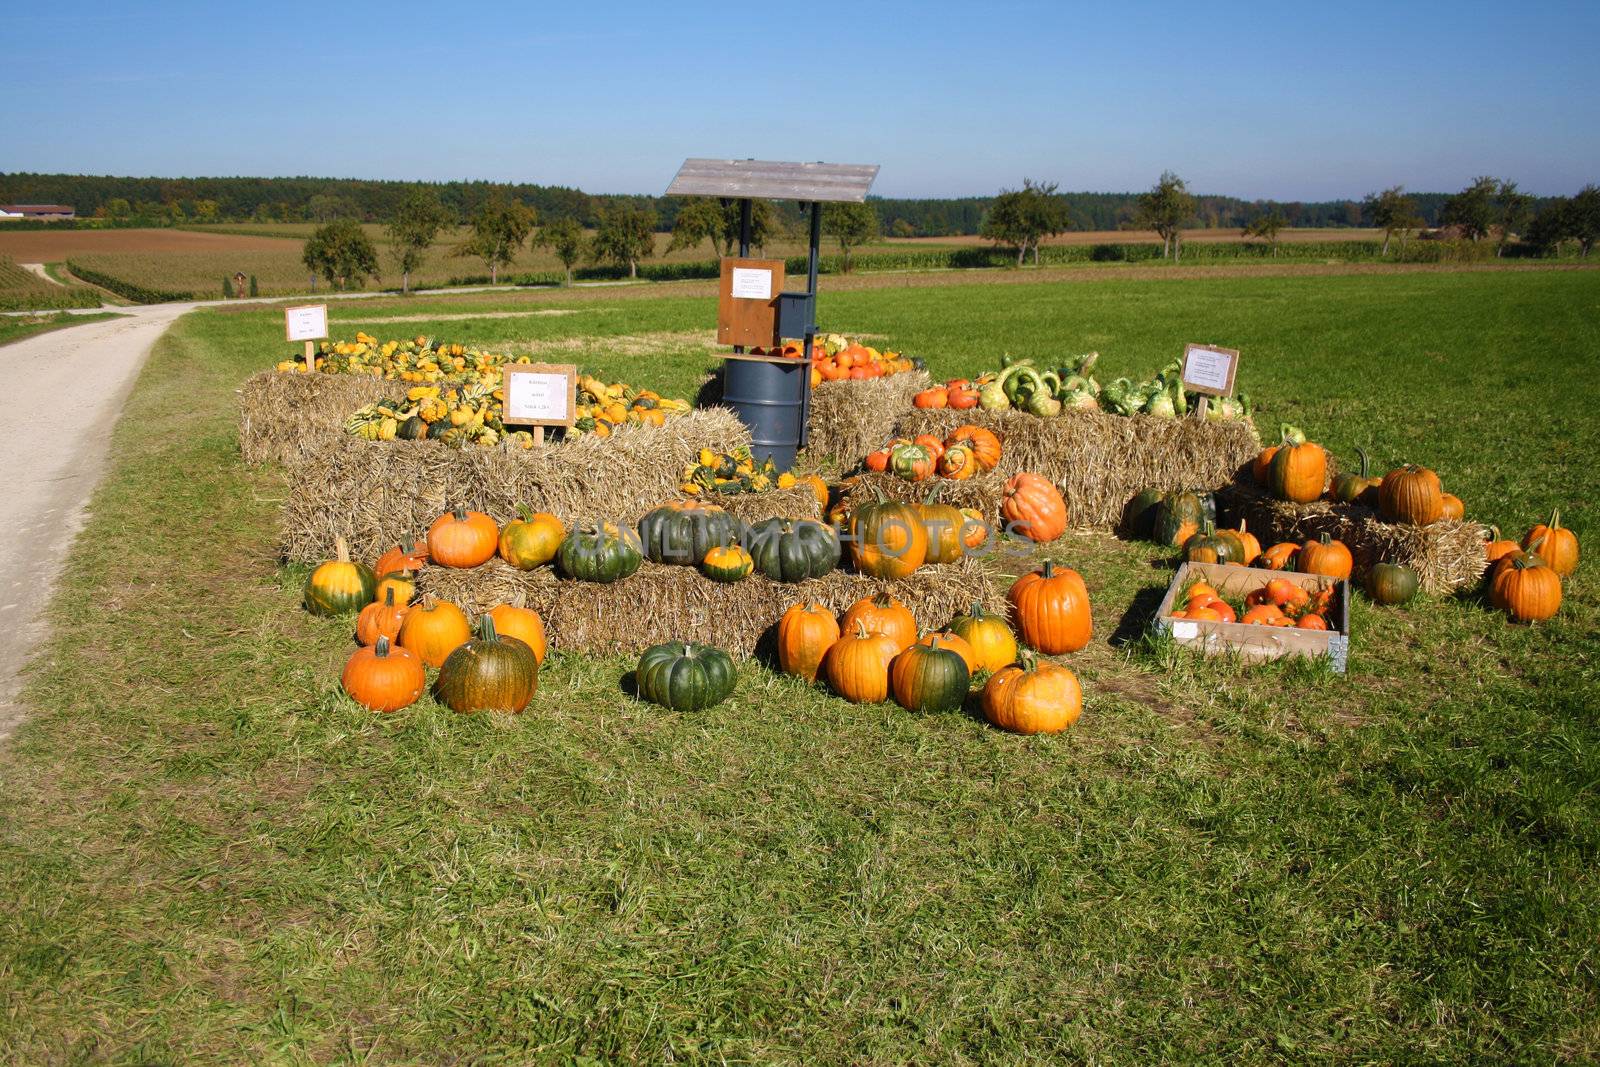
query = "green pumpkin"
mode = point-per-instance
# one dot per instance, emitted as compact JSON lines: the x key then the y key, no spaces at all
{"x":340,"y":585}
{"x":683,"y":676}
{"x":1139,"y":517}
{"x":1178,"y":517}
{"x":604,"y":553}
{"x":929,"y":678}
{"x":683,"y":533}
{"x":1351,"y":488}
{"x":489,"y":673}
{"x":1209,"y":547}
{"x":436,"y":430}
{"x":911,"y":462}
{"x":1391,"y":583}
{"x":730,"y":563}
{"x":792,"y":550}
{"x":412,"y":429}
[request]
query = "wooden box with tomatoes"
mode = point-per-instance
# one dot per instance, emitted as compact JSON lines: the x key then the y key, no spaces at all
{"x":1257,"y":614}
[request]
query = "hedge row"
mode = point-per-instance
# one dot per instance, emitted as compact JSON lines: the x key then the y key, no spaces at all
{"x":57,"y":298}
{"x":139,"y":294}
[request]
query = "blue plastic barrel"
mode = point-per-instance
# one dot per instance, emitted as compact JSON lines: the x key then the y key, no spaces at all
{"x":769,"y":399}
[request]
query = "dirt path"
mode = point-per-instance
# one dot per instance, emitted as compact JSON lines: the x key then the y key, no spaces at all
{"x":38,"y":268}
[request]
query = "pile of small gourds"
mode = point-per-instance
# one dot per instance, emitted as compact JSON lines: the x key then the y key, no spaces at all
{"x":874,"y":652}
{"x":967,"y":451}
{"x":601,"y":407}
{"x":417,"y":360}
{"x":835,"y":357}
{"x":732,"y":473}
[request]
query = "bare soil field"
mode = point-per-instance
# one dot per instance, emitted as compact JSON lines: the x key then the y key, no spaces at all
{"x":49,"y":246}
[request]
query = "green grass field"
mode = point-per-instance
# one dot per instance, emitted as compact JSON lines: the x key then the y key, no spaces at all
{"x":211,"y":856}
{"x":22,"y":290}
{"x":17,"y":327}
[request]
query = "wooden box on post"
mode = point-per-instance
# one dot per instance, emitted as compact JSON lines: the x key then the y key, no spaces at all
{"x":1252,"y":641}
{"x":747,"y":302}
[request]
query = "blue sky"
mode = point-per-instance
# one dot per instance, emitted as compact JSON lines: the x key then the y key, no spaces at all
{"x":1311,"y":101}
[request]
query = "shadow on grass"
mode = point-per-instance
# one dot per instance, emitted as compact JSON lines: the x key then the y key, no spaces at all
{"x":1135,"y":622}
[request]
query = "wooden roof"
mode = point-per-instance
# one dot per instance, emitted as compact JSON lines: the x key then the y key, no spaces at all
{"x":765,"y":180}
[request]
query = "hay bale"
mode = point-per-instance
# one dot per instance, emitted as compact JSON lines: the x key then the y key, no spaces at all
{"x":982,"y":492}
{"x":285,"y":417}
{"x":796,"y":503}
{"x":1100,"y":461}
{"x":1448,"y":555}
{"x":377,"y":494}
{"x":851,"y":418}
{"x":661,"y":603}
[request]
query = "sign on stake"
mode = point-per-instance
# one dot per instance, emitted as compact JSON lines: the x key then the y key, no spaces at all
{"x":1209,"y":370}
{"x":308,"y":323}
{"x":540,"y":395}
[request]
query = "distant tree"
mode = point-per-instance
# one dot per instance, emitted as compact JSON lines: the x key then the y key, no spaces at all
{"x":852,"y":225}
{"x":118,"y":208}
{"x":564,"y":237}
{"x":624,"y":235}
{"x":764,"y":224}
{"x":1165,"y":209}
{"x":255,"y":290}
{"x":1266,"y":227}
{"x":341,"y":252}
{"x":1472,"y":209}
{"x":172,"y":213}
{"x":1583,"y":217}
{"x":227,"y":287}
{"x":902,"y":228}
{"x":416,"y":223}
{"x":1391,"y":211}
{"x":499,"y":228}
{"x":1513,"y":208}
{"x":1551,"y":226}
{"x":205,"y":211}
{"x":327,"y":207}
{"x":701,"y":219}
{"x":1020,"y":218}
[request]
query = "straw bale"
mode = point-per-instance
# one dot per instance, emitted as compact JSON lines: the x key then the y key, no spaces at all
{"x":285,"y":417}
{"x":796,"y":503}
{"x":1100,"y":461}
{"x":1448,"y":555}
{"x":848,"y":419}
{"x":377,"y":494}
{"x":662,"y":603}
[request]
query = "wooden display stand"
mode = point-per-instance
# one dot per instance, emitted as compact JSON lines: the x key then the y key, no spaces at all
{"x":747,"y":302}
{"x":1253,"y":642}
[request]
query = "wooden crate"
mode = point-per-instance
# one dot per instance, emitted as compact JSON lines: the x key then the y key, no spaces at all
{"x":1251,"y":641}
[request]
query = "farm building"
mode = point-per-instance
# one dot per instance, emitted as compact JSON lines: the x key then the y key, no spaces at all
{"x":37,"y":211}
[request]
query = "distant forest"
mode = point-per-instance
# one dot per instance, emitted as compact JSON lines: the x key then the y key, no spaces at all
{"x":168,"y":201}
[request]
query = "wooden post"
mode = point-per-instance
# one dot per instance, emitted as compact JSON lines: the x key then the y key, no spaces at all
{"x":1203,"y":407}
{"x":538,"y":436}
{"x":311,"y":357}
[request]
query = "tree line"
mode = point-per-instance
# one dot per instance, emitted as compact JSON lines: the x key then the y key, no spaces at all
{"x":1487,"y":208}
{"x":175,"y":201}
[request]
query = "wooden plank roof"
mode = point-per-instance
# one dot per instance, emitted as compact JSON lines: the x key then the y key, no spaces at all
{"x":764,"y":180}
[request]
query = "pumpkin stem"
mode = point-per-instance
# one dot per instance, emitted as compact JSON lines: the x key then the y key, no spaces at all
{"x":977,"y":609}
{"x":1049,"y":569}
{"x":341,"y":549}
{"x":381,"y":648}
{"x":861,"y":630}
{"x":1555,"y":519}
{"x":1363,"y":454}
{"x":1326,"y":538}
{"x":460,"y":515}
{"x":1494,"y":533}
{"x":388,"y":596}
{"x":486,"y":628}
{"x":526,"y":512}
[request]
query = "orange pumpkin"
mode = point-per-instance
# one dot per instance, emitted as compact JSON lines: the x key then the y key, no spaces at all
{"x":805,"y":633}
{"x":1033,"y":507}
{"x":1051,"y":609}
{"x":882,"y":614}
{"x":1263,"y":463}
{"x":1249,"y":547}
{"x":1279,"y":557}
{"x":380,"y":619}
{"x":985,"y":444}
{"x":1411,"y":494}
{"x":991,"y":640}
{"x":383,"y":678}
{"x":398,"y":560}
{"x":958,"y":463}
{"x":1452,"y":508}
{"x":1298,"y":472}
{"x":433,"y":629}
{"x":463,"y":539}
{"x":1526,"y":588}
{"x":400,"y":583}
{"x":857,"y":665}
{"x":1325,"y":556}
{"x":1039,"y":697}
{"x":531,"y":541}
{"x":1556,"y":545}
{"x":1496,"y":546}
{"x":934,"y":398}
{"x":525,"y":625}
{"x":928,"y":441}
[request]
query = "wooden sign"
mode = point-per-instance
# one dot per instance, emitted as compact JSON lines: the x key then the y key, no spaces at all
{"x":1209,"y":369}
{"x":308,"y":323}
{"x":747,"y":302}
{"x":540,"y":394}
